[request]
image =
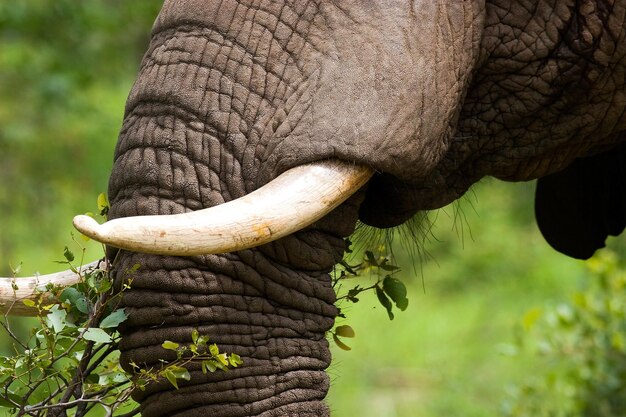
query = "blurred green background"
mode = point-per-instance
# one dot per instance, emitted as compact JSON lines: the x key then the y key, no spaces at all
{"x":65,"y":70}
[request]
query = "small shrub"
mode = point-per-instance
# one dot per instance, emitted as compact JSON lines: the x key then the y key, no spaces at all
{"x":583,"y":346}
{"x":375,"y":273}
{"x":70,"y":365}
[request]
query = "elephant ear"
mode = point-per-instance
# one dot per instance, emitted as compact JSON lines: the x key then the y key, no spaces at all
{"x":578,"y":208}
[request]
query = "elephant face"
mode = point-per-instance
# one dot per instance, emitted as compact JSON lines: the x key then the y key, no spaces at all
{"x":431,"y":96}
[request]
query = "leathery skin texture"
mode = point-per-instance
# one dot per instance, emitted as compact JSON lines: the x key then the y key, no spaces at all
{"x":274,"y":316}
{"x":271,"y":305}
{"x":192,"y":139}
{"x":433,"y":95}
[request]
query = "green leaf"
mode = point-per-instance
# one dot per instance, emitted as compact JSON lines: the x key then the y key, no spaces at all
{"x":222,"y":358}
{"x":173,"y":373}
{"x":114,"y":319}
{"x":120,"y":377}
{"x":214,"y":350}
{"x":77,"y":299}
{"x":194,"y":336}
{"x":167,"y":373}
{"x":345,"y":331}
{"x":5,"y":363}
{"x":384,"y":265}
{"x":369,"y":257}
{"x":56,"y":318}
{"x":103,"y":204}
{"x":340,"y":344}
{"x":234,"y":360}
{"x":21,"y":361}
{"x":83,"y":305}
{"x":99,"y":281}
{"x":68,"y":255}
{"x":169,"y":345}
{"x":97,"y":335}
{"x":382,"y":298}
{"x":92,"y":379}
{"x":63,"y":343}
{"x":402,"y":304}
{"x":396,"y":290}
{"x":348,"y":267}
{"x":10,"y":401}
{"x":354,"y":292}
{"x":208,"y":365}
{"x":202,"y":340}
{"x":70,"y":295}
{"x":221,"y":366}
{"x":180,"y":373}
{"x":28,"y":303}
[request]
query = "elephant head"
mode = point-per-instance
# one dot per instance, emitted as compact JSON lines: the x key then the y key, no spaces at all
{"x":369,"y":111}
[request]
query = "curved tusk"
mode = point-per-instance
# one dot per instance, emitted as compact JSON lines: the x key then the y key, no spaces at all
{"x":13,"y":291}
{"x":292,"y":201}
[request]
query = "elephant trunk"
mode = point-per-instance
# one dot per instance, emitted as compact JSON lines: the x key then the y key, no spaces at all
{"x":271,"y":305}
{"x":267,"y":305}
{"x":230,"y":96}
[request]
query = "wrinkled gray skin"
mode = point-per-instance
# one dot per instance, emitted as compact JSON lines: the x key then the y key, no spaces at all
{"x":433,"y":95}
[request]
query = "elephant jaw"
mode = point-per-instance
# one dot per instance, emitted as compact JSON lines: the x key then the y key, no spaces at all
{"x":294,"y":200}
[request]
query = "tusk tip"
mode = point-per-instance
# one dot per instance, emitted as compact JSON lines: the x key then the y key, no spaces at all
{"x":86,"y":225}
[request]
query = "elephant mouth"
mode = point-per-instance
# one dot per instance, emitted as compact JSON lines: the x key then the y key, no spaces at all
{"x":292,"y":201}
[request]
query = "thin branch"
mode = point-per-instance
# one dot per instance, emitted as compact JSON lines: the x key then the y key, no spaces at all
{"x":112,"y":347}
{"x":5,"y":324}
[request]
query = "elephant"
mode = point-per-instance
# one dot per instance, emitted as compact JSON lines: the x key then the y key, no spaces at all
{"x":258,"y":133}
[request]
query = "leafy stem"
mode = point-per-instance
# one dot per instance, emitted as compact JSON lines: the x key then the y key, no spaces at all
{"x":70,"y":364}
{"x":389,"y":290}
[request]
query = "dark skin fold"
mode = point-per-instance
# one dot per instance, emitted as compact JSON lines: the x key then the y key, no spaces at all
{"x":433,"y":95}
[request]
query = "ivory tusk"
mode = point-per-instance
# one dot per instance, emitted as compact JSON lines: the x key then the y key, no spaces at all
{"x":292,"y":201}
{"x":13,"y":291}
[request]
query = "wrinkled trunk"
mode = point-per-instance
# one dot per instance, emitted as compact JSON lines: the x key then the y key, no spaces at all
{"x":230,"y":95}
{"x":190,"y":140}
{"x":271,"y":305}
{"x":270,"y":309}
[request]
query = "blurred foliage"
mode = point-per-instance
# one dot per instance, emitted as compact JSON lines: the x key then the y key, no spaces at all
{"x":582,"y":344}
{"x":66,"y":69}
{"x":478,"y":266}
